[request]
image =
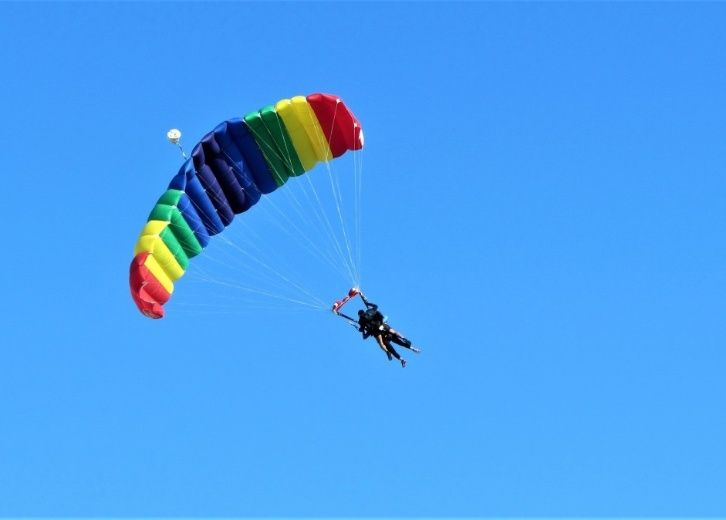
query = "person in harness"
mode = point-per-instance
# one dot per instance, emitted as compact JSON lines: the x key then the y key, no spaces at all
{"x":371,"y":322}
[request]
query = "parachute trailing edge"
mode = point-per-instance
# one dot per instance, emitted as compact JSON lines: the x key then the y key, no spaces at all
{"x":227,"y":173}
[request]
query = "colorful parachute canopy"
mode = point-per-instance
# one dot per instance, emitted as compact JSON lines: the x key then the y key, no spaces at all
{"x":228,"y":171}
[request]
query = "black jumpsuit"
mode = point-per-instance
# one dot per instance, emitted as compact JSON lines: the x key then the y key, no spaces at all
{"x":371,"y":323}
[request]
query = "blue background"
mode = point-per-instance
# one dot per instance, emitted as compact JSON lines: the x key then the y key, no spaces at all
{"x":544,"y":211}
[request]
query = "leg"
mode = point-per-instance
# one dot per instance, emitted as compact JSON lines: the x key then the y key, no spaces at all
{"x":392,"y":351}
{"x":381,"y":344}
{"x":396,"y":337}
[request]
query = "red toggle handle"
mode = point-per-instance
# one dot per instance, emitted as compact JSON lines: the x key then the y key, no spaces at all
{"x":351,"y":294}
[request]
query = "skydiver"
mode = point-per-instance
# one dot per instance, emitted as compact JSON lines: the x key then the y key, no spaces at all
{"x":372,"y":323}
{"x":377,"y":321}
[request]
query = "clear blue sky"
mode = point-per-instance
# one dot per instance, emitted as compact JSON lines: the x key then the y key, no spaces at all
{"x":544,"y":201}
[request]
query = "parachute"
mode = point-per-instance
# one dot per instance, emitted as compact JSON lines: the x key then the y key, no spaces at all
{"x":226,"y":174}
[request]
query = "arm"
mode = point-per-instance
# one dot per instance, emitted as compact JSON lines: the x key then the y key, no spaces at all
{"x":368,"y":304}
{"x":363,"y":330}
{"x":347,"y":317}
